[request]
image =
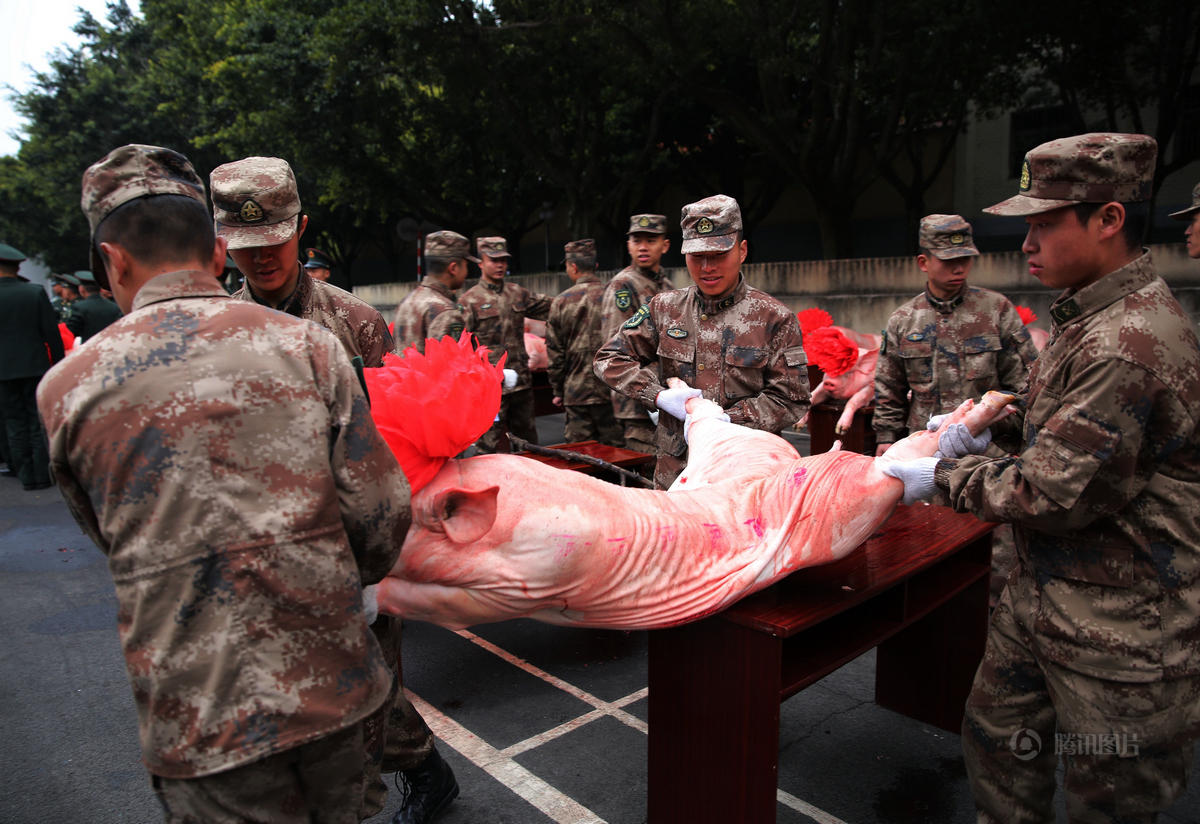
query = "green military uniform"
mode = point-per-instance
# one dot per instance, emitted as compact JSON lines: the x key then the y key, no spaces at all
{"x":30,"y":341}
{"x":92,"y":313}
{"x":1092,"y":651}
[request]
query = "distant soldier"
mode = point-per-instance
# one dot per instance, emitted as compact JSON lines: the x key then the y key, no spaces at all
{"x":625,"y":294}
{"x":431,"y":310}
{"x":572,"y":339}
{"x":731,"y":343}
{"x":256,"y":206}
{"x":1191,"y":234}
{"x":223,"y":457}
{"x":30,"y":343}
{"x":66,"y":289}
{"x":92,"y":312}
{"x":950,"y":343}
{"x":1091,"y":653}
{"x":496,"y":311}
{"x":257,"y":210}
{"x":317,"y":264}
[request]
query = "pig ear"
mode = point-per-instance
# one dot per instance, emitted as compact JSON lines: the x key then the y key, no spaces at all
{"x":466,"y":515}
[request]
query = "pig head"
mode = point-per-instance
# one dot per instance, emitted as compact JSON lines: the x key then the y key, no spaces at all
{"x":855,"y":386}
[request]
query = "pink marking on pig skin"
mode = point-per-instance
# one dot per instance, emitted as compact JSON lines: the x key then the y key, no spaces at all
{"x":664,"y":569}
{"x":798,"y":476}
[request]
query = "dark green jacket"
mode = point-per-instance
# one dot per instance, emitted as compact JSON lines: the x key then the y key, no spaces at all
{"x":91,"y":314}
{"x":27,"y":326}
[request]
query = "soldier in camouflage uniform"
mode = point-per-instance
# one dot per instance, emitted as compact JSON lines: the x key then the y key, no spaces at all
{"x":572,"y":340}
{"x":223,"y":457}
{"x":256,"y":207}
{"x":1092,"y":651}
{"x":1191,"y":234}
{"x":496,"y":311}
{"x":92,"y":312}
{"x":734,"y":344}
{"x":430,"y":310}
{"x":257,"y":210}
{"x":626,"y":293}
{"x":950,"y":343}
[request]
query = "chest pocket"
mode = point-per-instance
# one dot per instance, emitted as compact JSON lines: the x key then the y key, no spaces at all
{"x":744,"y":367}
{"x":487,"y":323}
{"x":918,"y":362}
{"x":1070,"y":450}
{"x":677,"y":358}
{"x":979,"y":359}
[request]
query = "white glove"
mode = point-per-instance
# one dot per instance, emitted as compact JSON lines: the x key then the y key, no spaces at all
{"x":916,"y":474}
{"x":687,"y":424}
{"x":510,"y":378}
{"x":935,"y":423}
{"x":370,"y":604}
{"x":653,"y":416}
{"x":672,"y":401}
{"x":956,"y":441}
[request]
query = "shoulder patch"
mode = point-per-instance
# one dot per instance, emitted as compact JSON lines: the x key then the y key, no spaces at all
{"x":624,"y":298}
{"x":883,"y":341}
{"x":640,"y":315}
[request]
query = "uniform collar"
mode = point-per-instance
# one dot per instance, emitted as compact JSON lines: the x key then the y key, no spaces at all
{"x":492,"y":287}
{"x":589,"y":278}
{"x":711,"y":306}
{"x":1072,"y":305}
{"x":649,"y":273}
{"x":948,"y":305}
{"x":295,"y":303}
{"x":184,"y":283}
{"x":438,"y":286}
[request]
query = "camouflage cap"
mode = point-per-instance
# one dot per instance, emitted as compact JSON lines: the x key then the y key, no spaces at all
{"x":1185,"y":214}
{"x":134,"y":171}
{"x":946,"y":237}
{"x":493,"y":247}
{"x":316,"y":259}
{"x":580,"y":251}
{"x":647,"y":224}
{"x":1088,"y":168}
{"x":710,"y":225}
{"x":10,"y":254}
{"x":255,"y":202}
{"x":449,"y":245}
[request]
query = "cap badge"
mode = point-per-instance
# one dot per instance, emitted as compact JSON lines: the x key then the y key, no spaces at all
{"x":704,"y":226}
{"x":643,"y":221}
{"x":957,"y":239}
{"x":312,"y":253}
{"x":1025,"y":180}
{"x":250,"y":212}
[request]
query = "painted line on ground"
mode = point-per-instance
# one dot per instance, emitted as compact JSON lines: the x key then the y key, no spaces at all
{"x":561,"y":808}
{"x":803,"y":807}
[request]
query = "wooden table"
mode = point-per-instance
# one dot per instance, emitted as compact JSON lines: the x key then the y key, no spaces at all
{"x":624,"y":458}
{"x":917,"y":590}
{"x":822,"y":419}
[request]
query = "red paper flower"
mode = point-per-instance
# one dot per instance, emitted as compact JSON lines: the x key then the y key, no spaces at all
{"x":831,"y":351}
{"x":1027,"y":315}
{"x":430,"y":407}
{"x":813,"y":318}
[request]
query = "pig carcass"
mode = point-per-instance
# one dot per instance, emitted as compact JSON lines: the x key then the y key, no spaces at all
{"x":496,"y":537}
{"x":535,"y":346}
{"x":847,"y":358}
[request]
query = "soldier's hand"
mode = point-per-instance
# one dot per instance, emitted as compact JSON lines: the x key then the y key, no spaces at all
{"x":510,"y":378}
{"x":673,"y":400}
{"x":370,"y":604}
{"x":917,"y":476}
{"x":956,"y":441}
{"x":935,"y":423}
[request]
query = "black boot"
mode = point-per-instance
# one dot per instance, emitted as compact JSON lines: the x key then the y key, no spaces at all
{"x":429,"y":789}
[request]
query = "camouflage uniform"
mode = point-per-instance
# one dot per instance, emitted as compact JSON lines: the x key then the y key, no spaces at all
{"x":223,"y":457}
{"x":945,"y":351}
{"x":572,"y":340}
{"x":430,"y":310}
{"x":741,"y":349}
{"x":626,"y":293}
{"x":255,"y":203}
{"x":496,"y":316}
{"x":1097,"y":632}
